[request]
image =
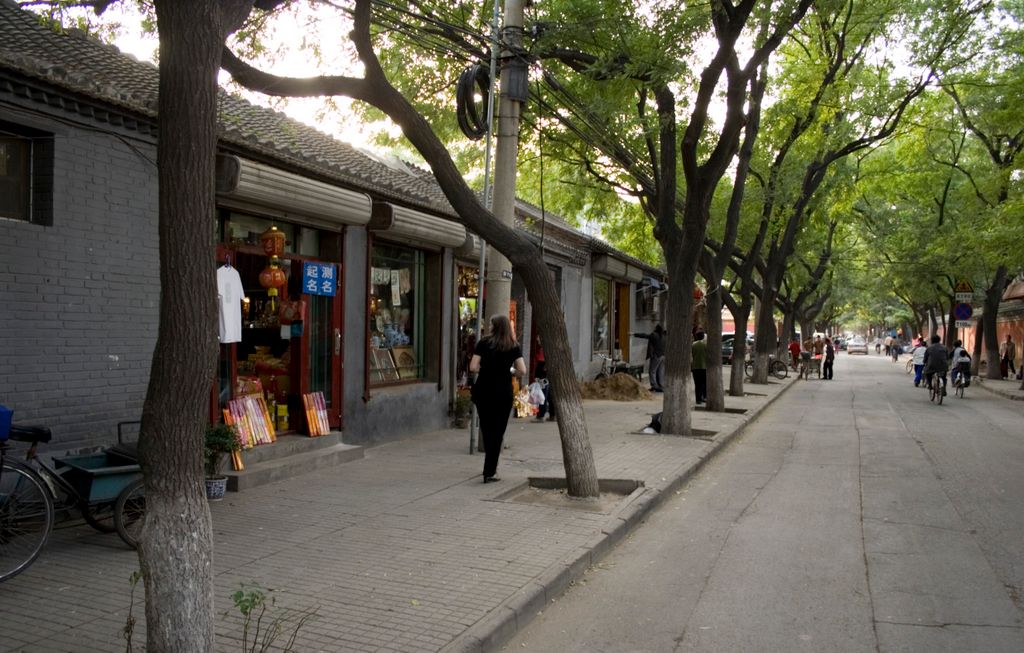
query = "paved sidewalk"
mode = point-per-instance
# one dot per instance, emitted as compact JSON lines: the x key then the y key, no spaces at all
{"x":1005,"y":388}
{"x":405,"y":550}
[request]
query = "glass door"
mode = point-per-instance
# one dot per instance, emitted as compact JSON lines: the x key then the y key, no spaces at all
{"x":325,"y":351}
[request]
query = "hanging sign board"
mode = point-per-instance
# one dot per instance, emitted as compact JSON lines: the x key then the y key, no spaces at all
{"x":319,"y":278}
{"x":963,"y":324}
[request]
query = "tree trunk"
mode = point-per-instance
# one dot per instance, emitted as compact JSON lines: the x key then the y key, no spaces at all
{"x":764,"y":333}
{"x":176,"y":547}
{"x":741,"y":315}
{"x":993,"y":295}
{"x":676,"y":415}
{"x":979,"y":325}
{"x":716,"y":393}
{"x":577,"y":455}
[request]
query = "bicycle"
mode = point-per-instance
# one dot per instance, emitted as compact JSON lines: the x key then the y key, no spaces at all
{"x":960,"y":382}
{"x":936,"y":387}
{"x":611,"y":366}
{"x":776,"y":368}
{"x":105,"y":488}
{"x":910,"y":365}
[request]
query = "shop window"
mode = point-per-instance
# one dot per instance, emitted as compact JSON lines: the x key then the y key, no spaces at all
{"x":397,"y":314}
{"x":647,"y":300}
{"x":246,"y":229}
{"x":601,"y":313}
{"x":26,"y":174}
{"x":468,"y":281}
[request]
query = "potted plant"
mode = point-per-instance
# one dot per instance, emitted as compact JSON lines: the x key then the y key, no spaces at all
{"x":462,"y":408}
{"x":221,"y":440}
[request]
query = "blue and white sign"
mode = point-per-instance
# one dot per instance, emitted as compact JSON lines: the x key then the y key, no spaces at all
{"x":319,"y":278}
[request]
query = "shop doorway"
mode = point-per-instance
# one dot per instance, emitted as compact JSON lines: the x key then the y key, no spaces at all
{"x":620,"y":322}
{"x":283,"y":354}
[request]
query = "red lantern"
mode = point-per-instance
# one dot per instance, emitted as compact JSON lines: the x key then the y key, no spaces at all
{"x":272,"y":277}
{"x":272,"y":241}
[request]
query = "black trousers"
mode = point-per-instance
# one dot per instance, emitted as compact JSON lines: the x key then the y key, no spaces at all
{"x":826,"y":372}
{"x":700,"y":385}
{"x":493,"y":422}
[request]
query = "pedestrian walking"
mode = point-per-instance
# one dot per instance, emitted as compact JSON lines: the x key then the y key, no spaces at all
{"x":699,"y":366}
{"x":541,"y":374}
{"x":830,"y":357}
{"x":794,"y":351}
{"x":498,"y":357}
{"x":819,"y":352}
{"x":655,"y":356}
{"x":1007,"y":353}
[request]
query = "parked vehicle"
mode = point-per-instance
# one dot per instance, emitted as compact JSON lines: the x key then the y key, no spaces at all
{"x":727,"y":346}
{"x":857,"y":346}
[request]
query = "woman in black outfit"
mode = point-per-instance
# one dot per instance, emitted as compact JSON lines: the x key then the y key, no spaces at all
{"x":497,"y":357}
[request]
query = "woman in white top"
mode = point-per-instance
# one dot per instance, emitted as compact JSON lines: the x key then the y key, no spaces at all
{"x":918,"y":353}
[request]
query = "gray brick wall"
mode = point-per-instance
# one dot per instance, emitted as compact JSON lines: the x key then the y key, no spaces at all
{"x":80,"y":298}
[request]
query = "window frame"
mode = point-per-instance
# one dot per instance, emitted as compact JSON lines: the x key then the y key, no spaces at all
{"x":34,"y":179}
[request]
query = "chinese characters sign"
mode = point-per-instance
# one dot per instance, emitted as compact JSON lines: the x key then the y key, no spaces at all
{"x":319,"y":278}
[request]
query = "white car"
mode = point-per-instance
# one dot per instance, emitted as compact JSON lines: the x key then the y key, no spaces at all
{"x":857,"y":345}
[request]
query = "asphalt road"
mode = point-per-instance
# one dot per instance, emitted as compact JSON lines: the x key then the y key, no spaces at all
{"x":853,"y":516}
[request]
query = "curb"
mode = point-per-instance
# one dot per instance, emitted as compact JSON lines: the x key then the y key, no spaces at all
{"x":1000,"y":392}
{"x":512,"y":615}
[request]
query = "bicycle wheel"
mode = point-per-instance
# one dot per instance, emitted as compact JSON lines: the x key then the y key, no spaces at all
{"x":748,"y":369}
{"x":910,"y":365}
{"x":130,"y":513}
{"x":779,"y":369}
{"x":26,"y":517}
{"x":960,"y":390}
{"x":931,"y":389}
{"x":100,"y":517}
{"x":939,"y":387}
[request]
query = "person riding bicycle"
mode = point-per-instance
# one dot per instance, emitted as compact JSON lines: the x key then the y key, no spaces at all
{"x":961,"y":364}
{"x":936,"y":361}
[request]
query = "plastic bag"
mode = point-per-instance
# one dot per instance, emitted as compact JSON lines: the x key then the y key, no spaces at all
{"x":536,"y":393}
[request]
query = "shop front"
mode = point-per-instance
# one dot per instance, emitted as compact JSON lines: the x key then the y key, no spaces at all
{"x":281,"y":281}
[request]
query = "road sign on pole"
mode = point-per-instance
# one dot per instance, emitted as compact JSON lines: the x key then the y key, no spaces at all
{"x":963,"y":324}
{"x":963,"y":292}
{"x":962,"y":312}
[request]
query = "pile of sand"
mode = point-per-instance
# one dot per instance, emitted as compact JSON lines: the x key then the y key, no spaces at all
{"x":620,"y":387}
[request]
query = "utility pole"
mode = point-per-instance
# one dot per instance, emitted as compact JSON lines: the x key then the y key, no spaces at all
{"x":514,"y":91}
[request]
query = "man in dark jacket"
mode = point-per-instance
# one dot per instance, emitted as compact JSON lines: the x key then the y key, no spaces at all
{"x":936,"y":361}
{"x":655,"y":356}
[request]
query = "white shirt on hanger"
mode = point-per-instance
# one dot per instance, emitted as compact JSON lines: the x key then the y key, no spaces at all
{"x":229,"y":295}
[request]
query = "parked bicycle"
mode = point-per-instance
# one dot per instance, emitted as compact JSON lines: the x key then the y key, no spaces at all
{"x":611,"y":366}
{"x":106,"y":488}
{"x":776,"y":368}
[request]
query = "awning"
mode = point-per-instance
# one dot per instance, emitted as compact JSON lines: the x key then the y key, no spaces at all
{"x":398,"y":223}
{"x":615,"y":268}
{"x":255,"y":187}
